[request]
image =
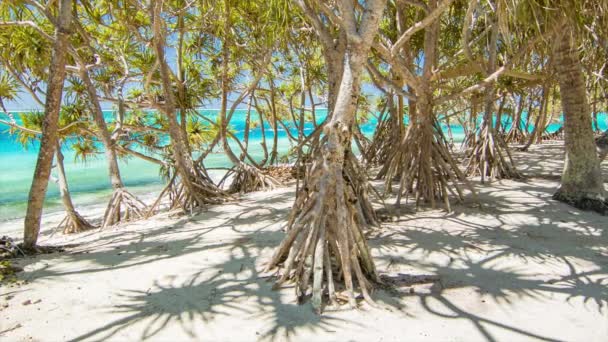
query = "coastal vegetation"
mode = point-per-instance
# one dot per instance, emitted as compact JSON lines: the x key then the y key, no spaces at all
{"x":504,"y":71}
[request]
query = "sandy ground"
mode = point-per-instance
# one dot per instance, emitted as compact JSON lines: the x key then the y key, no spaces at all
{"x":522,"y":268}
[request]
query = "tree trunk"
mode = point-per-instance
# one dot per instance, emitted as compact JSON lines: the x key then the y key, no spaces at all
{"x":48,"y":140}
{"x":246,"y":178}
{"x":325,"y":226}
{"x":581,"y":184}
{"x":123,"y":206}
{"x":490,"y":156}
{"x":501,"y":107}
{"x":421,"y":161}
{"x":275,"y":129}
{"x":73,"y":222}
{"x":331,"y":229}
{"x":104,"y":134}
{"x":195,"y":189}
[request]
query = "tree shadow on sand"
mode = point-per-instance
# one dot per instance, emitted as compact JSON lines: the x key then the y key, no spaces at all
{"x":492,"y":250}
{"x":471,"y":248}
{"x":231,"y":287}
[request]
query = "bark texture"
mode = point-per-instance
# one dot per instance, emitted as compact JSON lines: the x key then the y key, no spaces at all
{"x":123,"y":205}
{"x":48,"y":140}
{"x":190,"y":188}
{"x":581,"y":184}
{"x":325,"y":246}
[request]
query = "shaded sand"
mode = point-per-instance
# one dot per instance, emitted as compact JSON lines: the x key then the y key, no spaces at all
{"x":522,"y":268}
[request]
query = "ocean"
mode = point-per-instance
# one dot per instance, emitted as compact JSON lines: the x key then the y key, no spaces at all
{"x":89,"y":182}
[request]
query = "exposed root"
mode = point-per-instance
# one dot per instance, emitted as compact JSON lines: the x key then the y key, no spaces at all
{"x":424,"y":167}
{"x":74,"y":223}
{"x":583,"y":202}
{"x":247,"y":178}
{"x":385,"y":138}
{"x":284,"y":173}
{"x":9,"y":249}
{"x":325,"y":246}
{"x":516,"y":136}
{"x":195,"y":193}
{"x":357,"y":179}
{"x":557,"y":135}
{"x":490,"y":157}
{"x":470,"y":140}
{"x":123,"y":206}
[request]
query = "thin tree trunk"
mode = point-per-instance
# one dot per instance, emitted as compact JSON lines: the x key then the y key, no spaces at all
{"x":275,"y":128}
{"x":247,"y":128}
{"x":258,"y":109}
{"x":50,"y":124}
{"x":501,"y":107}
{"x":539,"y":123}
{"x":73,"y":222}
{"x":104,"y":134}
{"x":195,"y":189}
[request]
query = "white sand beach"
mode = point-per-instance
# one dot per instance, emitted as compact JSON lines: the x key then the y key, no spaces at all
{"x":521,"y":268}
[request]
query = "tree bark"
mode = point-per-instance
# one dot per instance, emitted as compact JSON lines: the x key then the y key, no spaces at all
{"x":48,"y":140}
{"x":104,"y":134}
{"x":581,"y":184}
{"x":324,"y":228}
{"x":195,"y":189}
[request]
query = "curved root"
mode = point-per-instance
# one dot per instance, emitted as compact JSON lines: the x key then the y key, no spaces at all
{"x":197,"y":192}
{"x":123,"y":206}
{"x":325,"y":246}
{"x":247,"y":178}
{"x":424,"y":167}
{"x":490,"y":157}
{"x":74,"y":223}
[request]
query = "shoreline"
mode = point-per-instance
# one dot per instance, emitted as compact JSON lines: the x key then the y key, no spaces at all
{"x":523,"y":267}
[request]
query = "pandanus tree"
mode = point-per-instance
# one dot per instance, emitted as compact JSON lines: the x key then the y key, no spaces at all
{"x":99,"y":67}
{"x":325,"y":244}
{"x":239,"y":22}
{"x":23,"y":49}
{"x":489,"y":156}
{"x":48,"y":140}
{"x":421,"y":161}
{"x":566,"y":24}
{"x":123,"y":205}
{"x":193,"y":189}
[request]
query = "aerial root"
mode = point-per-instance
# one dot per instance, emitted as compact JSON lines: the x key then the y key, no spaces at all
{"x":195,"y":193}
{"x":490,"y":157}
{"x":325,"y":252}
{"x":425,"y":169}
{"x":383,"y":142}
{"x":247,"y":178}
{"x":74,"y":223}
{"x":357,"y":180}
{"x":123,"y":206}
{"x":515,"y":136}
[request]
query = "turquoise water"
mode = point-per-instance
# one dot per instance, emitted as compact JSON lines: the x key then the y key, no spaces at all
{"x":89,"y":183}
